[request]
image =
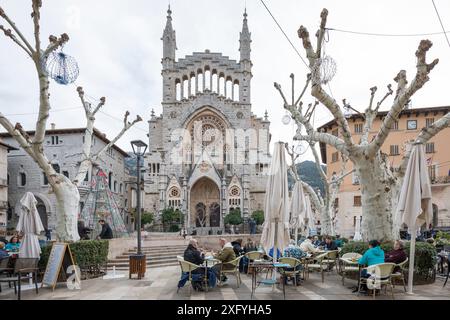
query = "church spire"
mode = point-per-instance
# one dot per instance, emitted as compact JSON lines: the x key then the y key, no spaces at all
{"x":245,"y":39}
{"x":169,"y":39}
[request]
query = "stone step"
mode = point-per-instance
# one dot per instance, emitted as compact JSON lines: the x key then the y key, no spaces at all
{"x":126,"y":268}
{"x":149,"y":263}
{"x":147,"y":258}
{"x":159,"y":249}
{"x":151,"y":256}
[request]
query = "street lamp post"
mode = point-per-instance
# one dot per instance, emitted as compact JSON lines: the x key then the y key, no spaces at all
{"x":138,"y":261}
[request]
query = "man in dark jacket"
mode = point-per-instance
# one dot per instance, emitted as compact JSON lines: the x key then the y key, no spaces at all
{"x":193,"y":255}
{"x":330,"y":244}
{"x":106,"y":232}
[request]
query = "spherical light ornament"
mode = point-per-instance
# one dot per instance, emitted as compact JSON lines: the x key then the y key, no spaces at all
{"x":324,"y":70}
{"x":62,"y":68}
{"x":300,"y":149}
{"x":286,"y":119}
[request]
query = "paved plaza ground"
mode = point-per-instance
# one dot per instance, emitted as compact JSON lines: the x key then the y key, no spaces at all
{"x":161,"y":284}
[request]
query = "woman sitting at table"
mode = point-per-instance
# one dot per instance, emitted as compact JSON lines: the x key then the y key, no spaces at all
{"x":250,"y":246}
{"x":397,"y":255}
{"x":13,"y":244}
{"x":374,"y":255}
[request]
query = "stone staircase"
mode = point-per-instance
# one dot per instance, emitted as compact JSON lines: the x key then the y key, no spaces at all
{"x":157,"y":255}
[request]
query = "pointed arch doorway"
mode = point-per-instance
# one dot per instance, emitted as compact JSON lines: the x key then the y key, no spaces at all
{"x":205,"y":204}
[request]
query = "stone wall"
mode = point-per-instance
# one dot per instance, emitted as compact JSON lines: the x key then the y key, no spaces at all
{"x":212,"y":242}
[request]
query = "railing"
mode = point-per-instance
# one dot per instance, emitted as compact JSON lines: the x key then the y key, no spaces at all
{"x":441,"y":180}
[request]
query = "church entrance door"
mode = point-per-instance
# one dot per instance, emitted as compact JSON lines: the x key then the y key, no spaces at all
{"x":204,"y":204}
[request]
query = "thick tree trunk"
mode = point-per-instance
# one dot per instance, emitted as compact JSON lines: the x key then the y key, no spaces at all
{"x":67,"y":206}
{"x":376,"y":197}
{"x":326,"y":213}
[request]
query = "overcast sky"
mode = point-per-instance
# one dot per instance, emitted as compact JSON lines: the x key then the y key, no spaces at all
{"x":118,"y":49}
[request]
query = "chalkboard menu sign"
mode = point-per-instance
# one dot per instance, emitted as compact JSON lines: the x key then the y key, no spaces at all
{"x":60,"y":258}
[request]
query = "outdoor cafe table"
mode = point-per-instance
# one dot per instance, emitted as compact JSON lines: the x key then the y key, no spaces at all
{"x":353,"y":262}
{"x":211,"y":259}
{"x":258,"y":267}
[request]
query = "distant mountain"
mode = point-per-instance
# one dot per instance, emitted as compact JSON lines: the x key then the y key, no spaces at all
{"x":308,"y":173}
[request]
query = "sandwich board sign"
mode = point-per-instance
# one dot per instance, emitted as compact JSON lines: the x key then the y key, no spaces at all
{"x":60,"y":258}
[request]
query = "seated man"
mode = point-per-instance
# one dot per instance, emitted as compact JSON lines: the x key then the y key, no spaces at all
{"x":307,"y":246}
{"x":193,"y":255}
{"x":330,"y":244}
{"x":397,"y":255}
{"x":374,"y":255}
{"x":226,"y":254}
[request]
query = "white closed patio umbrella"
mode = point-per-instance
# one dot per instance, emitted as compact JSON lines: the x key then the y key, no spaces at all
{"x":275,"y":233}
{"x":298,"y":209}
{"x":414,"y":205}
{"x":309,"y":217}
{"x":30,"y":225}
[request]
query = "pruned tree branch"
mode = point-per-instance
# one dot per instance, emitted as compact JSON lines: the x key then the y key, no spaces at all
{"x":390,"y":92}
{"x":55,"y":43}
{"x":126,"y":125}
{"x":404,"y":93}
{"x":9,"y":34}
{"x":16,"y":30}
{"x":316,"y":89}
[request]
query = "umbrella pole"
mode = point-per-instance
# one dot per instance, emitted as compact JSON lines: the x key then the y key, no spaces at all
{"x":275,"y":253}
{"x":412,"y":251}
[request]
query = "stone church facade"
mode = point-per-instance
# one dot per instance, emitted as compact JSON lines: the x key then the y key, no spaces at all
{"x":208,"y":153}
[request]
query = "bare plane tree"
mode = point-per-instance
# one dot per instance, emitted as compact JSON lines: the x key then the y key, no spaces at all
{"x":66,"y":191}
{"x":379,"y":182}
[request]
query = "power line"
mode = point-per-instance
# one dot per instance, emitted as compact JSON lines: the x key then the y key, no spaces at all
{"x":71,"y":108}
{"x":34,"y":113}
{"x":284,"y":33}
{"x":387,"y":34}
{"x":440,"y":21}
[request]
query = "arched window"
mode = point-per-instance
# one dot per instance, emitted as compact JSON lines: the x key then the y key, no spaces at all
{"x":115,"y":186}
{"x":207,"y":80}
{"x":110,"y":176}
{"x":22,"y":179}
{"x":185,"y":88}
{"x":221,"y":85}
{"x":121,"y":188}
{"x":192,"y":82}
{"x":178,"y":90}
{"x":214,"y":81}
{"x":228,"y":88}
{"x":200,"y":82}
{"x":236,"y":90}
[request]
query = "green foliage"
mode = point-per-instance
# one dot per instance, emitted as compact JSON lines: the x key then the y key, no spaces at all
{"x":169,"y":216}
{"x":425,"y":255}
{"x":147,"y":218}
{"x":442,"y":238}
{"x":86,"y":253}
{"x":174,"y":228}
{"x":234,"y":217}
{"x":258,"y":216}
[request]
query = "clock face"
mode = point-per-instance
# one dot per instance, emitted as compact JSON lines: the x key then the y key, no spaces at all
{"x":412,"y":124}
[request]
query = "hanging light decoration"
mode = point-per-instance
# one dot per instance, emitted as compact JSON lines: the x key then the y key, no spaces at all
{"x":324,"y":70}
{"x":286,"y":119}
{"x":299,"y":149}
{"x":62,"y":68}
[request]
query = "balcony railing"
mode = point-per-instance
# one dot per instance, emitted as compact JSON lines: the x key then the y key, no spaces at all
{"x":441,"y":180}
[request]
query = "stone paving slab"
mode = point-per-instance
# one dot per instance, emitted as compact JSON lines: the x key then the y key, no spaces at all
{"x":161,"y":284}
